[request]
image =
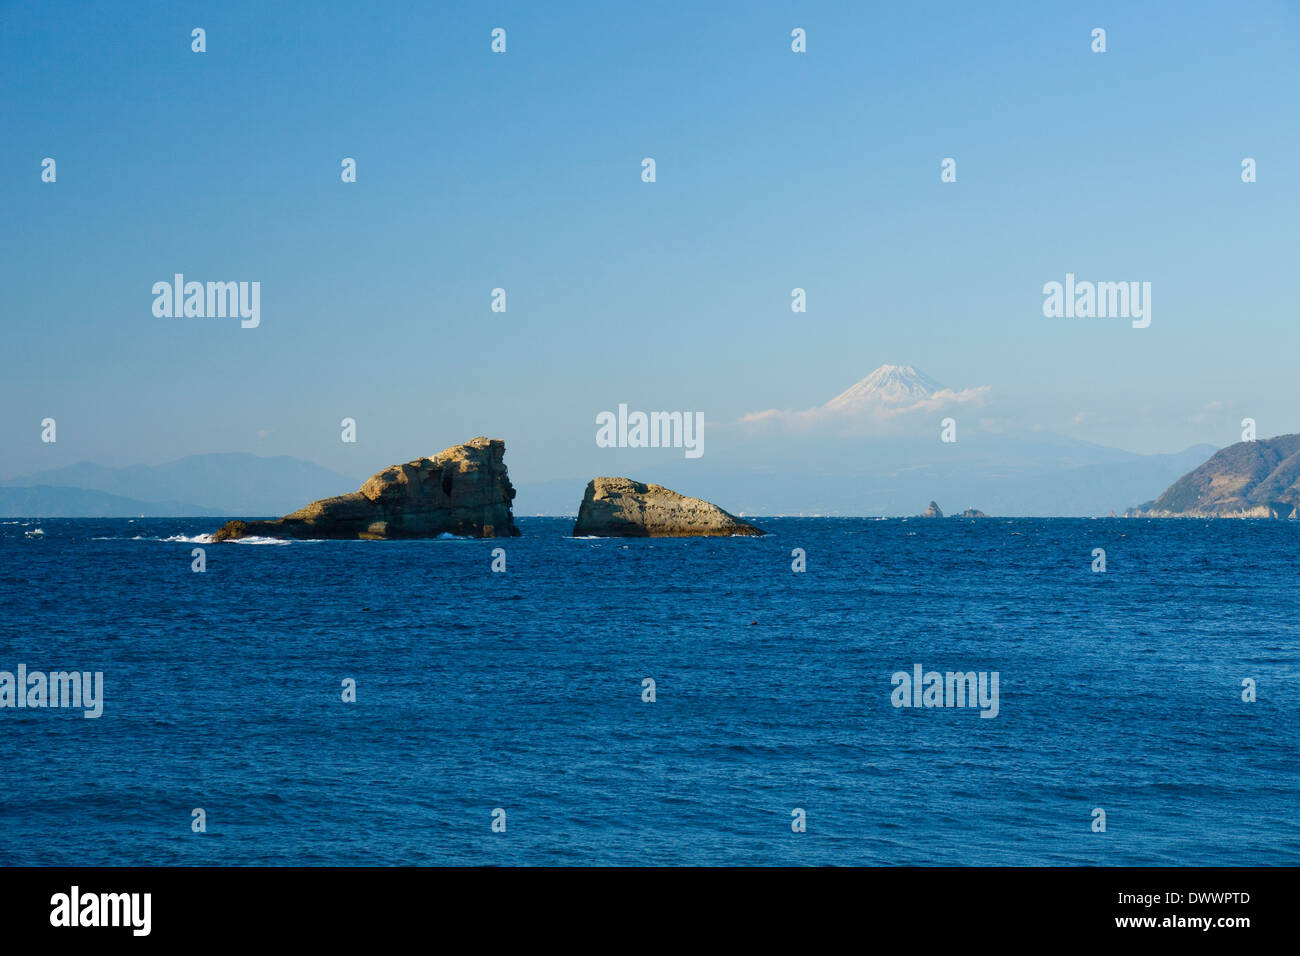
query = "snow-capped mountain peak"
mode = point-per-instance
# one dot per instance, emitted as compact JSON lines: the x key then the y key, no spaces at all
{"x":889,"y":385}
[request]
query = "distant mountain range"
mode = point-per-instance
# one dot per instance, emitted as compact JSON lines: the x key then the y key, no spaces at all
{"x":1251,"y":479}
{"x":873,"y":449}
{"x":231,"y":483}
{"x":54,"y":501}
{"x":999,"y":476}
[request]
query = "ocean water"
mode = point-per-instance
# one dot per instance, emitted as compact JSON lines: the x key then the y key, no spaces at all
{"x":523,"y":691}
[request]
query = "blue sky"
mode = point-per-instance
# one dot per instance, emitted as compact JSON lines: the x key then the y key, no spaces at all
{"x":522,"y":171}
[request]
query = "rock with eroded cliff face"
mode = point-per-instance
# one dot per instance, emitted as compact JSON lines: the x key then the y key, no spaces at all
{"x":463,"y":490}
{"x":623,"y":508}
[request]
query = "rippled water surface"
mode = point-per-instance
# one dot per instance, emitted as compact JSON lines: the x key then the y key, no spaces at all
{"x":523,"y":690}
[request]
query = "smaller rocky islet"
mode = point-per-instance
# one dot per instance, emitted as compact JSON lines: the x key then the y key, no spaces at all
{"x":623,"y":508}
{"x":935,"y":512}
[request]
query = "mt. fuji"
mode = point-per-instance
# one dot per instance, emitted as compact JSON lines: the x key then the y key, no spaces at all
{"x":889,"y":385}
{"x":885,"y":396}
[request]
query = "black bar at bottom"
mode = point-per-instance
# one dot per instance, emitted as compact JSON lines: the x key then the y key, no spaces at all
{"x":338,"y":905}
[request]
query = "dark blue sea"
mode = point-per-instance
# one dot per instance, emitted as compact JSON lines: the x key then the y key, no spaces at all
{"x":522,"y":691}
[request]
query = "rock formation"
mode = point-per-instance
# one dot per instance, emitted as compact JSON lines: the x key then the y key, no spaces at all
{"x":973,"y":513}
{"x":463,"y":490}
{"x":622,"y":508}
{"x":932,"y":511}
{"x":1251,"y":479}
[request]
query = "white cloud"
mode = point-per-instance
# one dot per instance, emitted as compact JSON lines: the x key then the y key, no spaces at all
{"x":1204,"y":414}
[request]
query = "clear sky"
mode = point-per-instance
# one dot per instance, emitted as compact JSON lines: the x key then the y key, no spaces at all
{"x":522,"y":170}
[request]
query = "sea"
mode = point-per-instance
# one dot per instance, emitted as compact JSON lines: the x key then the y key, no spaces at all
{"x":376,"y":703}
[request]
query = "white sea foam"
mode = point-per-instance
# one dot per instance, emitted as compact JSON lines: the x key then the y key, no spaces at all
{"x":191,"y":539}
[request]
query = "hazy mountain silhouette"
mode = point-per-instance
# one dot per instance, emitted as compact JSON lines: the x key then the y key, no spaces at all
{"x":48,"y":501}
{"x":875,"y":449}
{"x":229,"y":483}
